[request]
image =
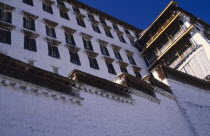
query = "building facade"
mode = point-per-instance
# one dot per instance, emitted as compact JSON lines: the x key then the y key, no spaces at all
{"x":69,"y":69}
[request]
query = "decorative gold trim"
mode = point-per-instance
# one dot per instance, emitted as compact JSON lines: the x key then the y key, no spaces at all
{"x":94,"y":22}
{"x":69,"y":30}
{"x":106,"y":27}
{"x":129,"y":53}
{"x":91,"y":53}
{"x":48,"y":2}
{"x":30,"y":34}
{"x":115,"y":47}
{"x":50,"y":23}
{"x":108,"y":59}
{"x":136,"y":69}
{"x":29,"y":15}
{"x":53,"y":42}
{"x":63,"y":8}
{"x":6,"y":26}
{"x":102,"y":42}
{"x":72,"y":48}
{"x":86,"y":36}
{"x":79,"y":15}
{"x":6,"y":7}
{"x":123,"y":64}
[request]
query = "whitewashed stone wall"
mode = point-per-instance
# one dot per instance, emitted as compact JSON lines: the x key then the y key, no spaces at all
{"x":42,"y":60}
{"x":27,"y":114}
{"x":195,"y":104}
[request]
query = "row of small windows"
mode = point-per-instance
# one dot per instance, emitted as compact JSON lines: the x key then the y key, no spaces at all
{"x":30,"y":44}
{"x":80,"y":21}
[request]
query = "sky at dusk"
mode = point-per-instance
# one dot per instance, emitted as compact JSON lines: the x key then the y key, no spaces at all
{"x":141,"y":13}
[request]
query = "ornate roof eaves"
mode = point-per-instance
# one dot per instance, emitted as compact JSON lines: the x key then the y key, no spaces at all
{"x":52,"y":42}
{"x":69,"y":30}
{"x":30,"y":34}
{"x":6,"y":7}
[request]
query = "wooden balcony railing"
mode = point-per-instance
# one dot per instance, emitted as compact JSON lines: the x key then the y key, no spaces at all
{"x":162,"y":29}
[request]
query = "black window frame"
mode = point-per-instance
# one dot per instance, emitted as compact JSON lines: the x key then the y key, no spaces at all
{"x":87,"y":44}
{"x":131,"y":59}
{"x":30,"y":44}
{"x":52,"y":29}
{"x":76,"y":9}
{"x":29,"y":2}
{"x":102,"y":21}
{"x":64,"y":15}
{"x":93,"y":63}
{"x":117,"y":55}
{"x":138,"y":74}
{"x":121,"y":38}
{"x":80,"y":22}
{"x":104,"y":50}
{"x":96,"y":28}
{"x":110,"y":68}
{"x":74,"y":58}
{"x":6,"y":16}
{"x":53,"y":51}
{"x":5,"y":36}
{"x":70,"y":39}
{"x":123,"y":69}
{"x":47,"y":8}
{"x":108,"y":33}
{"x":115,"y":27}
{"x":29,"y":24}
{"x":127,"y":31}
{"x":91,"y":16}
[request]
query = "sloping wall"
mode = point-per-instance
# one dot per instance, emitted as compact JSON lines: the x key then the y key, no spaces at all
{"x":28,"y":113}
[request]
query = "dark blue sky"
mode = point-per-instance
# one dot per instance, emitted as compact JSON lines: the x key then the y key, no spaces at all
{"x":141,"y":13}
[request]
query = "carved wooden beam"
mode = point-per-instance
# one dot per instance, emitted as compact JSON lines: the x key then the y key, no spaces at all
{"x":52,"y":42}
{"x":48,"y":2}
{"x":130,"y":37}
{"x":86,"y":36}
{"x":123,"y":64}
{"x":6,"y":7}
{"x":63,"y":8}
{"x":102,"y":42}
{"x":106,"y":27}
{"x":136,"y":69}
{"x":129,"y":53}
{"x":6,"y":26}
{"x":91,"y":54}
{"x":50,"y":23}
{"x":79,"y":15}
{"x":119,"y":32}
{"x":69,"y":30}
{"x":93,"y":21}
{"x":73,"y":49}
{"x":108,"y":59}
{"x":30,"y":34}
{"x":29,"y":15}
{"x":115,"y":47}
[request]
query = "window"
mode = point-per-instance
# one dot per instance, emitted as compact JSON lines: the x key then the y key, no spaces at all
{"x":74,"y":58}
{"x":123,"y":69}
{"x":104,"y":50}
{"x":60,"y":2}
{"x":70,"y":39}
{"x":88,"y":44}
{"x":5,"y":36}
{"x":115,"y":27}
{"x":50,"y":31}
{"x":102,"y":21}
{"x":121,"y":38}
{"x":29,"y":23}
{"x":76,"y":9}
{"x":93,"y":63}
{"x":80,"y":22}
{"x":5,"y":16}
{"x":64,"y":15}
{"x":53,"y":51}
{"x":108,"y":33}
{"x":131,"y":60}
{"x":110,"y":68}
{"x":47,"y":8}
{"x":30,"y":44}
{"x":138,"y":75}
{"x":132,"y":42}
{"x":126,"y":31}
{"x":137,"y":36}
{"x":55,"y":70}
{"x":117,"y":55}
{"x":91,"y":16}
{"x":96,"y":28}
{"x":29,"y":2}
